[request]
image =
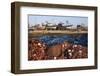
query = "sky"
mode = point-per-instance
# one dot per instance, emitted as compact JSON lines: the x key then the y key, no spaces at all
{"x":74,"y":20}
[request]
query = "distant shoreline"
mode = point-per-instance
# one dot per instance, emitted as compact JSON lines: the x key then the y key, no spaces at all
{"x":44,"y":32}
